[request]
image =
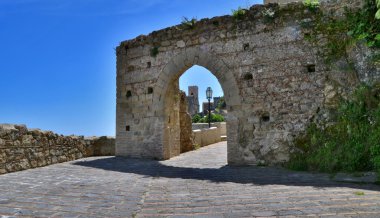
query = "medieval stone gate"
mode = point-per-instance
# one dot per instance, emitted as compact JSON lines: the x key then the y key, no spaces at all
{"x":273,"y":79}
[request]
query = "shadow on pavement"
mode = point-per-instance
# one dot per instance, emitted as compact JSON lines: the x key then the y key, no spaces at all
{"x":244,"y":175}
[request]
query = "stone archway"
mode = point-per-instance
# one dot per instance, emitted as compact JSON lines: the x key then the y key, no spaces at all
{"x":273,"y":79}
{"x":166,"y":87}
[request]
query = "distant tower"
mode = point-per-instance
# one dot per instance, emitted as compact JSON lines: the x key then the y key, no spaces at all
{"x":193,"y":91}
{"x":193,"y":100}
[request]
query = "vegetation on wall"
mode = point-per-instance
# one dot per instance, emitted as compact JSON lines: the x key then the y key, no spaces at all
{"x":189,"y":23}
{"x":239,"y":13}
{"x":268,"y":14}
{"x":377,"y":15}
{"x":350,"y":143}
{"x":312,"y":5}
{"x":340,"y":33}
{"x":154,"y":51}
{"x":221,"y":105}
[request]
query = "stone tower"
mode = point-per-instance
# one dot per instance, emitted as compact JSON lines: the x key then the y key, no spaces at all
{"x":193,"y":100}
{"x":193,"y":91}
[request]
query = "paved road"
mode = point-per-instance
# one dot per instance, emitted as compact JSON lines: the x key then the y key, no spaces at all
{"x":197,"y":183}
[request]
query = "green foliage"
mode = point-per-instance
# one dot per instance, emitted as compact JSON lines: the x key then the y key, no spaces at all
{"x":363,"y":25}
{"x":312,"y":5}
{"x":239,"y":13}
{"x":359,"y":193}
{"x":269,"y":14}
{"x":197,"y":146}
{"x":189,"y":23}
{"x":377,"y":15}
{"x":351,"y":143}
{"x":154,"y":51}
{"x":214,"y":118}
{"x":221,"y":104}
{"x":196,"y":118}
{"x":357,"y":26}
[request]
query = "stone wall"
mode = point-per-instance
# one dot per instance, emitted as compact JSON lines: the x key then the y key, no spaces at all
{"x":274,"y":81}
{"x":281,"y":2}
{"x":222,"y":127}
{"x":204,"y":137}
{"x":22,"y":148}
{"x":187,"y":143}
{"x":100,"y":146}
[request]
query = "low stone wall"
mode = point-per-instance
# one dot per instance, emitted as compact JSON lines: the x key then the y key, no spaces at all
{"x":100,"y":146}
{"x":22,"y":148}
{"x":221,"y":127}
{"x":204,"y":137}
{"x":196,"y":126}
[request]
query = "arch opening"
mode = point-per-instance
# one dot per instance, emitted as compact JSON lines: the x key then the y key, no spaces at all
{"x":187,"y":110}
{"x":169,"y":105}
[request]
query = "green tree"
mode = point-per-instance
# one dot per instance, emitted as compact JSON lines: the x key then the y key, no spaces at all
{"x":214,"y":118}
{"x":221,"y":104}
{"x":196,"y":118}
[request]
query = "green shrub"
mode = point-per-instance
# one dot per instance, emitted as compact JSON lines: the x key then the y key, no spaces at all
{"x":197,"y":146}
{"x":363,"y":24}
{"x":154,"y":51}
{"x":195,"y":118}
{"x":239,"y":13}
{"x":351,"y":143}
{"x":377,"y":15}
{"x":214,"y":118}
{"x":189,"y":23}
{"x":221,"y":104}
{"x":312,"y":5}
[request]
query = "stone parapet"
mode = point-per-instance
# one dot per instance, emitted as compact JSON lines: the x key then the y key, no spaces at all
{"x":204,"y":137}
{"x":221,"y":126}
{"x":22,"y":148}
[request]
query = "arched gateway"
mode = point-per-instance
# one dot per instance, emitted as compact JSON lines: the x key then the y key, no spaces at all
{"x":272,"y":79}
{"x":167,"y":86}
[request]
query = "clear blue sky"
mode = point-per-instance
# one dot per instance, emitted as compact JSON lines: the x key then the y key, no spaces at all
{"x":57,"y":60}
{"x":203,"y":78}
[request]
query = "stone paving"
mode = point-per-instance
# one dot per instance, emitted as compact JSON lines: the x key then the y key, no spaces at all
{"x":196,"y":184}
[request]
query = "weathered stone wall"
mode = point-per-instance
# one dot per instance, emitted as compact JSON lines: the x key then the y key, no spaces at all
{"x":273,"y":79}
{"x":187,"y":143}
{"x":220,"y":125}
{"x":100,"y":146}
{"x":22,"y":148}
{"x":281,"y":2}
{"x":204,"y":137}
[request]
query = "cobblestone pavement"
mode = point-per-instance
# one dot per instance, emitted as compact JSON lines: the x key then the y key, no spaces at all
{"x":197,"y":183}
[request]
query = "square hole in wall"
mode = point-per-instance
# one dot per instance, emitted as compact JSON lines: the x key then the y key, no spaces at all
{"x":310,"y":68}
{"x":149,"y":64}
{"x":150,"y":90}
{"x":265,"y":118}
{"x":248,"y":76}
{"x":129,"y":94}
{"x":246,"y":46}
{"x":127,"y":128}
